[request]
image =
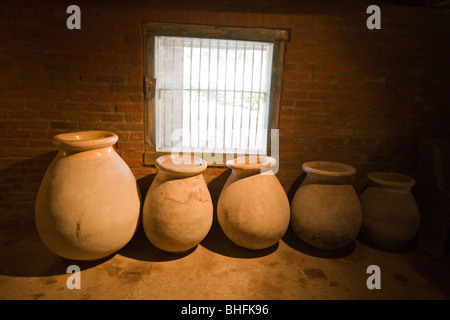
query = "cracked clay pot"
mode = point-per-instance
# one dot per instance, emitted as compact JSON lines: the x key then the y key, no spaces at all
{"x":178,"y":210}
{"x":88,"y":202}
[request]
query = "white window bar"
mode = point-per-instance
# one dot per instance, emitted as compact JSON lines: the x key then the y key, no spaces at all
{"x":216,"y":91}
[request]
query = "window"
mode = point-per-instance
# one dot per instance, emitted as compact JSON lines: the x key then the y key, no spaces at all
{"x":211,"y":91}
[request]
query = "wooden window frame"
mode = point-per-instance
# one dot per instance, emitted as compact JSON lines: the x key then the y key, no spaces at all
{"x":152,"y":29}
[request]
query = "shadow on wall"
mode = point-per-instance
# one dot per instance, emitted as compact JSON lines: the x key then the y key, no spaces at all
{"x":144,"y":184}
{"x":215,"y":187}
{"x":19,"y":187}
{"x":294,"y":187}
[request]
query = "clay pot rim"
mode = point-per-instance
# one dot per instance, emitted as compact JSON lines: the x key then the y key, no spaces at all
{"x":251,"y":162}
{"x":85,"y":140}
{"x":391,"y":179}
{"x":329,"y":168}
{"x":188,"y":165}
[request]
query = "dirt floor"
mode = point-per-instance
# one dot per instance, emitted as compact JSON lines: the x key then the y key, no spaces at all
{"x":218,"y":269}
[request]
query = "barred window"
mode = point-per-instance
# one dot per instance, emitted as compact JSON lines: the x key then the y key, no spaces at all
{"x":212,"y":90}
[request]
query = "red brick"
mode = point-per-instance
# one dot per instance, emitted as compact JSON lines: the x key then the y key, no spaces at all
{"x":318,"y":113}
{"x":324,"y":57}
{"x":302,"y":35}
{"x":110,"y":97}
{"x":20,"y":94}
{"x":341,"y":68}
{"x":109,"y":117}
{"x":98,"y":107}
{"x":36,"y":124}
{"x":342,"y":132}
{"x":77,"y":115}
{"x":53,"y":115}
{"x":297,"y":76}
{"x":137,"y":136}
{"x":87,"y":68}
{"x":130,"y":107}
{"x":293,"y":94}
{"x":347,"y":77}
{"x":292,"y":113}
{"x":136,"y":117}
{"x":322,"y":76}
{"x":314,"y":46}
{"x":316,"y":131}
{"x":320,"y":95}
{"x":25,"y":114}
{"x":128,"y":145}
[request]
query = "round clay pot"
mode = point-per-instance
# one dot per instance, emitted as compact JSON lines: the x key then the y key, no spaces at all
{"x":178,"y":209}
{"x":88,"y":202}
{"x":253,"y":208}
{"x":325,"y":210}
{"x":390,"y":214}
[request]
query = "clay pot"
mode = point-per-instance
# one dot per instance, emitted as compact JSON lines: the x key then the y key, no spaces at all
{"x":390,"y":214}
{"x":325,"y":210}
{"x":178,"y":209}
{"x":88,"y":202}
{"x":253,"y":209}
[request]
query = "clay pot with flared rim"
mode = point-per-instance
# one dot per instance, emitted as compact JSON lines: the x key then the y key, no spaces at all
{"x":178,"y":210}
{"x":88,"y":203}
{"x":325,"y":210}
{"x":253,"y":208}
{"x":391,"y":216}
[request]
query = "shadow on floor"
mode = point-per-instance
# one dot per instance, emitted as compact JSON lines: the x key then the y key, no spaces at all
{"x":406,"y":248}
{"x":217,"y":241}
{"x":292,"y":240}
{"x":436,"y":271}
{"x":25,"y":255}
{"x":140,"y":248}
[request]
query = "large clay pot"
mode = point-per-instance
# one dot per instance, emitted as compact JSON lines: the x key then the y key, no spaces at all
{"x":390,"y":214}
{"x":88,"y":202}
{"x":253,"y":208}
{"x":325,"y":210}
{"x":178,"y":209}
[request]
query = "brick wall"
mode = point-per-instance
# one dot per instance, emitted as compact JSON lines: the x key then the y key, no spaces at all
{"x":363,"y":97}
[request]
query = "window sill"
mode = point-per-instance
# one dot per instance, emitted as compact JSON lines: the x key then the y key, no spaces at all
{"x":213,"y":160}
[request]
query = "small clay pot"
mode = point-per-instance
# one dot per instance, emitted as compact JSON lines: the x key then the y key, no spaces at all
{"x":391,"y":217}
{"x":178,"y":209}
{"x":253,"y":208}
{"x":325,"y":210}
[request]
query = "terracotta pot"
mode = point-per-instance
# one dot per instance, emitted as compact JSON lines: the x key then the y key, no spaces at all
{"x":88,"y":202}
{"x":390,"y":214}
{"x":325,"y":210}
{"x":253,"y":209}
{"x":178,"y":209}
